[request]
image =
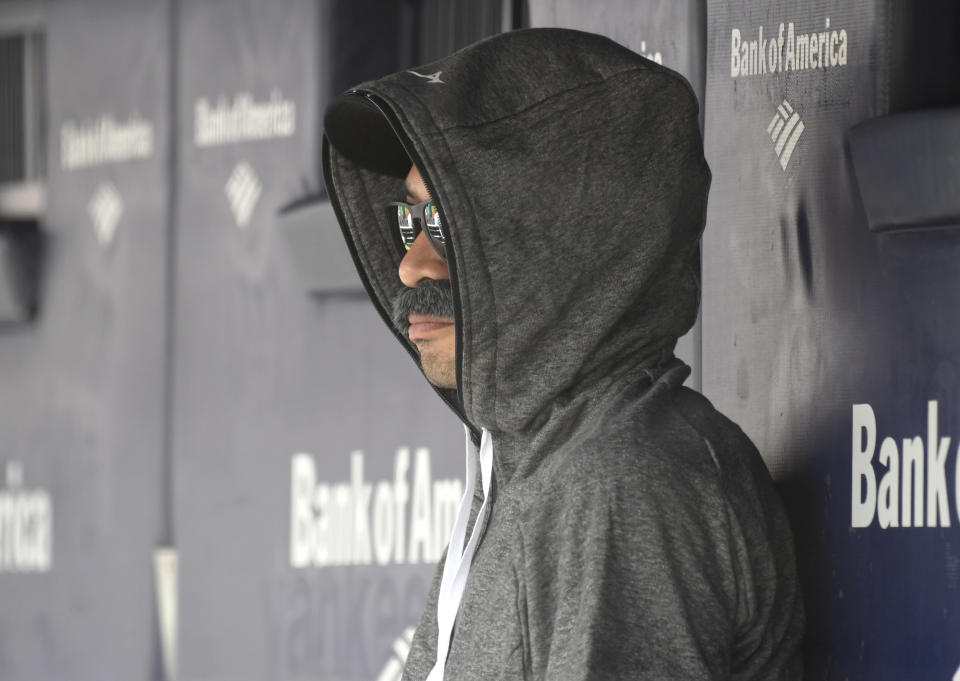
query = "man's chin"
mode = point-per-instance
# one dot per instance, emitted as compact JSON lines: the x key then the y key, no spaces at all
{"x":438,"y":358}
{"x":441,"y":381}
{"x":440,"y":373}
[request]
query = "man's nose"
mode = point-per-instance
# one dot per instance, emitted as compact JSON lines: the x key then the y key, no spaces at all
{"x":422,"y":262}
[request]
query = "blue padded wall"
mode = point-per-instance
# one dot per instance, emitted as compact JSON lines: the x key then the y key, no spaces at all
{"x":830,"y":344}
{"x":83,"y":492}
{"x":310,"y":455}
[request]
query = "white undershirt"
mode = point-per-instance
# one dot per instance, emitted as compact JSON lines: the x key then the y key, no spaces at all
{"x":457,"y":566}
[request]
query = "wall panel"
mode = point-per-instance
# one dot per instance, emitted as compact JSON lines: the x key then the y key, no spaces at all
{"x":306,"y":444}
{"x":807,"y":313}
{"x":82,"y":398}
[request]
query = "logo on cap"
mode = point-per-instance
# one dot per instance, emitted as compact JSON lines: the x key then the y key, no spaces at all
{"x":429,"y":77}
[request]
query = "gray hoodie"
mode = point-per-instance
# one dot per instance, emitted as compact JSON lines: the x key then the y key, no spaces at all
{"x":632,"y":531}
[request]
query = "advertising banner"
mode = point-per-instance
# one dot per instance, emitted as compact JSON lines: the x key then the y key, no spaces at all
{"x":82,"y":476}
{"x":316,"y":472}
{"x":831,"y":345}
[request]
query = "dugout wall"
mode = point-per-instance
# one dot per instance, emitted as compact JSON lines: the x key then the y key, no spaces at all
{"x":198,"y":374}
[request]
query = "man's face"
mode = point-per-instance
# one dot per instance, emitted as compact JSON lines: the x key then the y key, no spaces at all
{"x":433,"y":335}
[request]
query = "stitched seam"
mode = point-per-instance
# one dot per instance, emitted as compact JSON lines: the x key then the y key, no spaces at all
{"x":646,"y":68}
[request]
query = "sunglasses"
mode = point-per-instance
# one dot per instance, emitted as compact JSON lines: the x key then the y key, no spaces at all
{"x":409,"y":220}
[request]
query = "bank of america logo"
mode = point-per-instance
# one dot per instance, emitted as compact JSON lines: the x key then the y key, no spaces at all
{"x":105,"y":210}
{"x":785,"y":130}
{"x":393,"y":670}
{"x":243,"y":189}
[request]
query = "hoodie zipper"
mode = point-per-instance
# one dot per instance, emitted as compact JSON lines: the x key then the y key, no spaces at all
{"x":407,"y":145}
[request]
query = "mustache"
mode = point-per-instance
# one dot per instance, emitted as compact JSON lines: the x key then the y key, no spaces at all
{"x":433,"y":297}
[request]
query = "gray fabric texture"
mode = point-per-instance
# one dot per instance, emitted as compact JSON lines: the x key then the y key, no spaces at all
{"x":634,"y":531}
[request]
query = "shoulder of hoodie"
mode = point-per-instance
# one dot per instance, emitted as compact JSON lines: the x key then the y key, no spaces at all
{"x":668,"y":450}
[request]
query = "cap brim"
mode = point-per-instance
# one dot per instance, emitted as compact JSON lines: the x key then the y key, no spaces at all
{"x":359,"y":131}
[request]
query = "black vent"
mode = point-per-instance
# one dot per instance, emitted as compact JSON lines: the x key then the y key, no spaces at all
{"x":22,"y":109}
{"x":445,"y":26}
{"x":12,"y":134}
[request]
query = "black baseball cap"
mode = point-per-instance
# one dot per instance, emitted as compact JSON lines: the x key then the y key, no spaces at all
{"x":358,"y":129}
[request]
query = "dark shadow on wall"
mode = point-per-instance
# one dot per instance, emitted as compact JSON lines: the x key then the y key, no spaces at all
{"x":443,"y":26}
{"x":807,"y":522}
{"x":370,"y":38}
{"x":925,"y":75}
{"x":23,"y":245}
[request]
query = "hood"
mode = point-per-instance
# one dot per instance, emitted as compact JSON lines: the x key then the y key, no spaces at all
{"x":570,"y":179}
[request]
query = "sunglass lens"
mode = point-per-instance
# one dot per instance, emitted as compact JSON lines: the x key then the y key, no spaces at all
{"x":431,"y":219}
{"x":405,"y":223}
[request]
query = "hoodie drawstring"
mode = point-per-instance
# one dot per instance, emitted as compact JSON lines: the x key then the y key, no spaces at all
{"x":457,"y":565}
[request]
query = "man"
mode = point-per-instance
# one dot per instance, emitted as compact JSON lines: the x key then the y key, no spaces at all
{"x":540,"y":265}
